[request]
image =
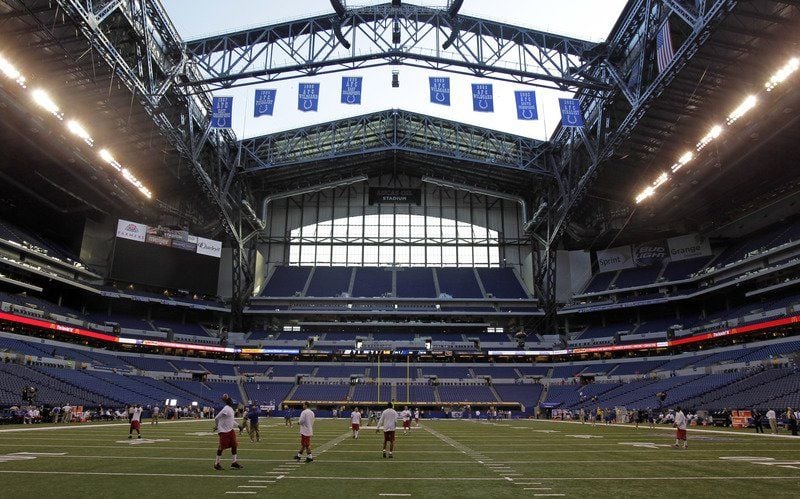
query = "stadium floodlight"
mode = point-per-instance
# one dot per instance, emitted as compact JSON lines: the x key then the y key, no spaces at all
{"x":106,"y":156}
{"x":649,"y":191}
{"x":782,"y":74}
{"x":11,"y":71}
{"x":685,"y":158}
{"x":78,"y":130}
{"x":746,"y":105}
{"x":44,"y":100}
{"x":712,"y":134}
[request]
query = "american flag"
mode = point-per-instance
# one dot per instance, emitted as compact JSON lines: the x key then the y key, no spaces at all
{"x":664,"y":52}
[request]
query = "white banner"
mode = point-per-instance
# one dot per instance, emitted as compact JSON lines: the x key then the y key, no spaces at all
{"x":131,"y":230}
{"x":688,"y":246}
{"x":615,"y":259}
{"x":209,"y":247}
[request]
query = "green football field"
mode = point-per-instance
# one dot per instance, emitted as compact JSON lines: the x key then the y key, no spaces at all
{"x":438,"y":459}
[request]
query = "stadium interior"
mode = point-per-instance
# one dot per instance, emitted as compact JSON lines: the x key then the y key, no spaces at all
{"x":646,"y":259}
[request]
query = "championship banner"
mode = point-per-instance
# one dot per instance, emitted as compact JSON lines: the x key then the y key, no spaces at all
{"x":131,"y":230}
{"x":308,"y":97}
{"x":351,"y":89}
{"x":688,"y":246}
{"x":379,"y":195}
{"x":222,"y":112}
{"x":615,"y":259}
{"x":526,"y":105}
{"x":264,"y":102}
{"x":440,"y":90}
{"x":571,"y":116}
{"x":482,"y":98}
{"x":649,"y":254}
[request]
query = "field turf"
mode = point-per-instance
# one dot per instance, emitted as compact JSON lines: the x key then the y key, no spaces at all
{"x":439,"y":459}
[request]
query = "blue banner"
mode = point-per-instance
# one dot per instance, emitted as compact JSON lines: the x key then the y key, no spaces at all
{"x":265,"y":102}
{"x":440,"y":90}
{"x":571,"y":116}
{"x":351,"y":90}
{"x":526,"y":105}
{"x":308,"y":96}
{"x":482,"y":98}
{"x":221,"y":112}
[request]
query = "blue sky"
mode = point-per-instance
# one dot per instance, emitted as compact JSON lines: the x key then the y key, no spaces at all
{"x":585,"y":19}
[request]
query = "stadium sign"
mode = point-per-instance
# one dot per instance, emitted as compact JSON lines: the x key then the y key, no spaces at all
{"x":649,"y":254}
{"x":688,"y":246}
{"x":165,"y":236}
{"x":131,"y":230}
{"x":44,"y":324}
{"x":209,"y":247}
{"x":614,"y":259}
{"x":378,"y":195}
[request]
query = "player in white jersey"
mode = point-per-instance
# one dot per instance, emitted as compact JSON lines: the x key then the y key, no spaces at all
{"x":225,"y":425}
{"x":306,"y":422}
{"x":388,"y":421}
{"x":406,"y":415}
{"x":136,"y":422}
{"x":355,"y":421}
{"x":680,"y":429}
{"x":416,"y":416}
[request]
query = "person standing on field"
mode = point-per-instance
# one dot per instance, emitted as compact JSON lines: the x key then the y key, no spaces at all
{"x":773,"y":421}
{"x":225,"y":426}
{"x":355,"y":421}
{"x":306,"y":423}
{"x":388,"y":421}
{"x":680,"y":432}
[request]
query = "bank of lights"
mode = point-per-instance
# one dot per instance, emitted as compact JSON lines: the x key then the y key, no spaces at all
{"x":46,"y":102}
{"x":106,"y":156}
{"x":78,"y":130}
{"x":783,"y":73}
{"x":744,"y":107}
{"x":712,"y":134}
{"x":11,"y":72}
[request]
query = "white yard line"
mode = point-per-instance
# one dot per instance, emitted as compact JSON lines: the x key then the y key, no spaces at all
{"x":478,"y":479}
{"x":86,"y":426}
{"x":294,"y":449}
{"x":690,"y":430}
